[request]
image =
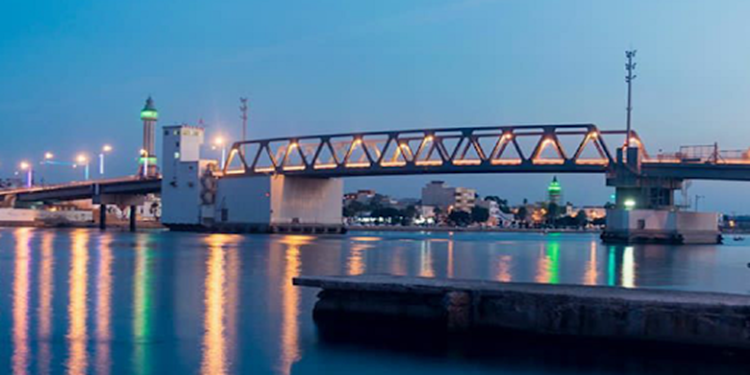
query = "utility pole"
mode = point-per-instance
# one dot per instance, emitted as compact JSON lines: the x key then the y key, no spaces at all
{"x":630,"y":67}
{"x":243,"y":116}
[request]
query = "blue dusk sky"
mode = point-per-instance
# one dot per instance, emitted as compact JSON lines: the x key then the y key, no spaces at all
{"x":74,"y":75}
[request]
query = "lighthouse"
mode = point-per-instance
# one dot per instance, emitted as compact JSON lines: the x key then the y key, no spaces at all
{"x":147,"y":161}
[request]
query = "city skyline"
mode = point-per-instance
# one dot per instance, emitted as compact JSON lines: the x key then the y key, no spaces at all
{"x":77,"y":77}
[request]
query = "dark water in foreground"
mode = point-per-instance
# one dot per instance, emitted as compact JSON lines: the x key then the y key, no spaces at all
{"x":81,"y":301}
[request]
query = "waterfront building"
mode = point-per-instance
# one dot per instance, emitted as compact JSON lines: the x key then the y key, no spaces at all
{"x":439,"y":194}
{"x":493,"y":209}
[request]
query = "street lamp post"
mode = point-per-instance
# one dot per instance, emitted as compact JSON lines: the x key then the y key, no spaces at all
{"x":144,"y":156}
{"x":105,"y":150}
{"x":25,"y":166}
{"x":220,"y":143}
{"x":84,"y":161}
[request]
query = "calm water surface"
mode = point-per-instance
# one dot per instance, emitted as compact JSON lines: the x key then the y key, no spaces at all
{"x":82,"y":301}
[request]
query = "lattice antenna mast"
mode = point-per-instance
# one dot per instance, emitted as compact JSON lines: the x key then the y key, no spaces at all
{"x":243,"y":116}
{"x":629,"y":67}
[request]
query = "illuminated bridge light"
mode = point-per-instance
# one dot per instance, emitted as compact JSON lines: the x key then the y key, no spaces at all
{"x":592,"y":161}
{"x":467,"y":162}
{"x":358,"y":165}
{"x":393,"y":164}
{"x":429,"y":163}
{"x":325,"y":166}
{"x":294,"y":168}
{"x":506,"y":162}
{"x":264,"y":169}
{"x":548,"y":161}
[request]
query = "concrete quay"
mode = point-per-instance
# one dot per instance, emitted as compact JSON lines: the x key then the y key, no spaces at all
{"x":581,"y":312}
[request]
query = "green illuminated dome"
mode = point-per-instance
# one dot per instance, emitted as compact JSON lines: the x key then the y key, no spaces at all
{"x":149,"y":111}
{"x":554,"y":186}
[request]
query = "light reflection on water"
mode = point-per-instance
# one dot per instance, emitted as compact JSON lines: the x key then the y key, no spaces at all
{"x":46,"y":291}
{"x":77,"y":361}
{"x":156,"y":302}
{"x":104,"y":305}
{"x":21,"y":302}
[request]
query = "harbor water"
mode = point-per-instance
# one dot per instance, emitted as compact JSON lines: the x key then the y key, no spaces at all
{"x":83,"y":301}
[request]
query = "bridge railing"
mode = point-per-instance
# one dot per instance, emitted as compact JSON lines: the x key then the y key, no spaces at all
{"x":703,"y":154}
{"x":571,"y":145}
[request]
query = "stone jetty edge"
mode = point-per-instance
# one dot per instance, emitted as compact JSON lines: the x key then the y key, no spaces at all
{"x":681,"y":317}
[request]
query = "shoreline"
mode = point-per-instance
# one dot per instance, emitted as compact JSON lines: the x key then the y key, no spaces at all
{"x":470,"y":229}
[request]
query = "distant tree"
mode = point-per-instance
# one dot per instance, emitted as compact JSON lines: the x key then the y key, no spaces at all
{"x":553,"y":211}
{"x":408,"y":215}
{"x":437,"y":212}
{"x":388,"y":214}
{"x":566,"y":221}
{"x":479,"y":214}
{"x":522,"y":214}
{"x":502,"y":204}
{"x":459,"y":218}
{"x":353,"y":208}
{"x":581,"y":218}
{"x":411,"y":211}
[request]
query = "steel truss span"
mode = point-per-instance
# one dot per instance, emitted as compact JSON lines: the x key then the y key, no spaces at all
{"x":569,"y":148}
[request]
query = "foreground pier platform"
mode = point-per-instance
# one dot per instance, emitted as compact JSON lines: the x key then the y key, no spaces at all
{"x":583,"y":312}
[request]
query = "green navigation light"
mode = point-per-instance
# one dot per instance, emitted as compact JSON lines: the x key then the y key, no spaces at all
{"x":151,"y":160}
{"x":554,"y":186}
{"x":147,"y":114}
{"x":149,"y":110}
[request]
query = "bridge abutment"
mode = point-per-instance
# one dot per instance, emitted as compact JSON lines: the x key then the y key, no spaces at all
{"x":645,"y":210}
{"x":279,"y":204}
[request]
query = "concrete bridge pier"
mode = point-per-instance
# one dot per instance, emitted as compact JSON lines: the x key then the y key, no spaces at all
{"x":279,"y":203}
{"x":132,"y":201}
{"x":103,"y":216}
{"x":645,"y":210}
{"x":133,"y":218}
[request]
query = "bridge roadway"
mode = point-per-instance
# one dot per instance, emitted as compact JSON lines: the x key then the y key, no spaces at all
{"x":85,"y":189}
{"x":549,"y":149}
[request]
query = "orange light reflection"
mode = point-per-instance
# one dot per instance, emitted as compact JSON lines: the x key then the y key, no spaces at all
{"x":46,"y":290}
{"x":103,"y":358}
{"x":77,"y":336}
{"x":22,"y":258}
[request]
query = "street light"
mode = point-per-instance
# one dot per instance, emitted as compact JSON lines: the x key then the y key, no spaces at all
{"x":629,"y":204}
{"x":25,"y":166}
{"x":219,"y":142}
{"x":105,"y":150}
{"x":83,"y":160}
{"x":49,"y":156}
{"x":144,"y":157}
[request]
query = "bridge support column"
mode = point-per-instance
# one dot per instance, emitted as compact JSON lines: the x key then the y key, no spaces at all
{"x":133,"y":217}
{"x":645,"y":211}
{"x":278,"y":203}
{"x":103,"y":216}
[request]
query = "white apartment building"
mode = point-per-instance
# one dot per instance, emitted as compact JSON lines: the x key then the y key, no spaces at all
{"x":438,"y":194}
